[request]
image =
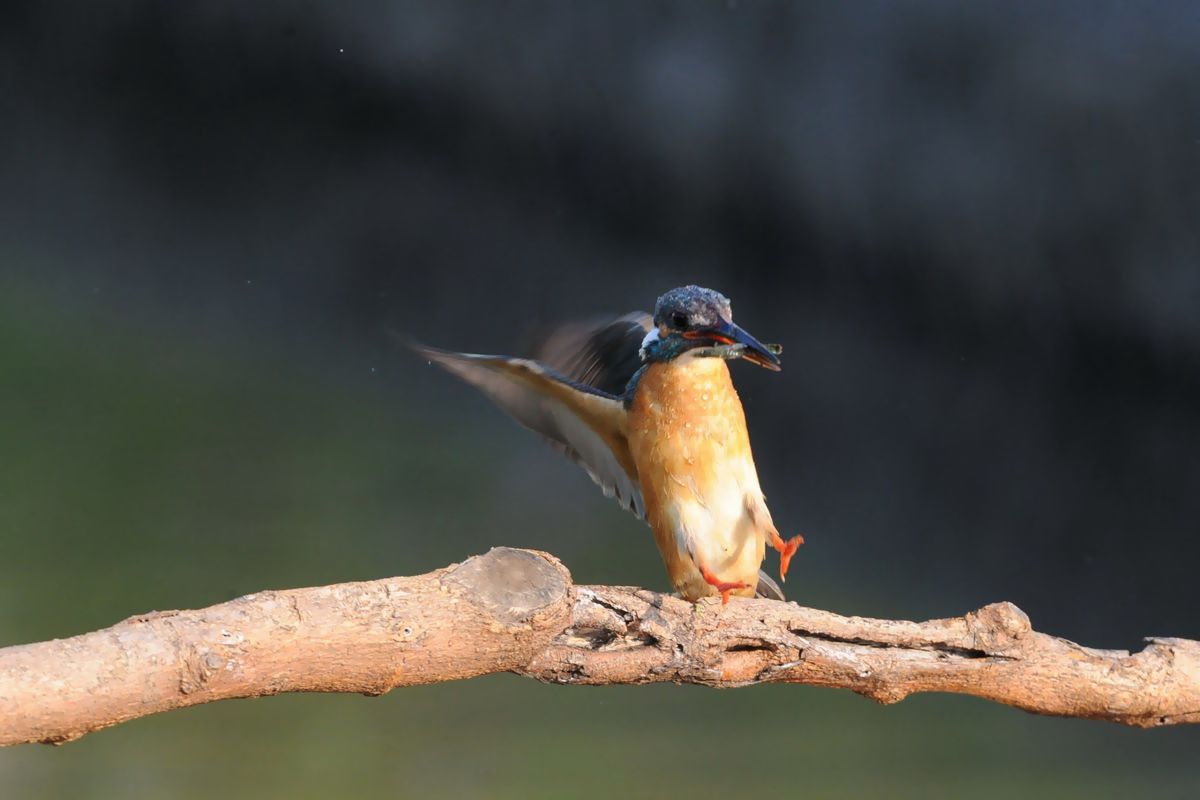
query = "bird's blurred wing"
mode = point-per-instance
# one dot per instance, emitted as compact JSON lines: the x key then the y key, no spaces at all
{"x":586,"y":424}
{"x":602,"y":353}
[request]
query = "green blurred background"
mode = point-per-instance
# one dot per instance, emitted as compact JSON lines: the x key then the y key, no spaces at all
{"x":973,"y":227}
{"x":144,"y":473}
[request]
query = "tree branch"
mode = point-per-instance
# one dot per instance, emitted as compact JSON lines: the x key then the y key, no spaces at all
{"x":518,"y":611}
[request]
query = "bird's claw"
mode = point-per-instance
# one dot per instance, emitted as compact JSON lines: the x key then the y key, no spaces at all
{"x":725,"y":588}
{"x":786,"y":549}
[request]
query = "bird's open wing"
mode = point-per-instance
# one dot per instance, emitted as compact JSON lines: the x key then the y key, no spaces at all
{"x":603,"y":353}
{"x":585,"y":423}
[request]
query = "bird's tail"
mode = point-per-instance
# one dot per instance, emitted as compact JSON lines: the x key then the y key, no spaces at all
{"x":768,"y":588}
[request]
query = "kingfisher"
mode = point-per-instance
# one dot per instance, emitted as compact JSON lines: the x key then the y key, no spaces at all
{"x":645,"y":404}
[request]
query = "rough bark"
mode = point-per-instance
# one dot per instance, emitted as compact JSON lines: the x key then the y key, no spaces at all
{"x":518,"y":611}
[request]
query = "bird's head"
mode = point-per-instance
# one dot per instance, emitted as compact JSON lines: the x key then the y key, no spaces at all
{"x":698,"y":320}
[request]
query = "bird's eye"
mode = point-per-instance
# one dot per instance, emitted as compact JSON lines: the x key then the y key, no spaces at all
{"x":679,"y":320}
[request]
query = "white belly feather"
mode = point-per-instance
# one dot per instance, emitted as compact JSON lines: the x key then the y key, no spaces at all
{"x":714,"y":524}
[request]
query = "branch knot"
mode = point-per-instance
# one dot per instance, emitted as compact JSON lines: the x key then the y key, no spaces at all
{"x":998,"y":628}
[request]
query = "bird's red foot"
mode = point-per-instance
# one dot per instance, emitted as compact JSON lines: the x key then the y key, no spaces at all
{"x":721,"y":586}
{"x":786,"y":551}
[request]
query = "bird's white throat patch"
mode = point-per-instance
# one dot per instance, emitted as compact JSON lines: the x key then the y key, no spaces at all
{"x":649,"y":339}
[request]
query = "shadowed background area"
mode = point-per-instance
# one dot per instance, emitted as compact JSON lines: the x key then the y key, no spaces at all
{"x":974,"y":228}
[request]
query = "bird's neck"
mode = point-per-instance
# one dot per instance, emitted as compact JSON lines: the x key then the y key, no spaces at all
{"x":686,"y":375}
{"x":691,"y":366}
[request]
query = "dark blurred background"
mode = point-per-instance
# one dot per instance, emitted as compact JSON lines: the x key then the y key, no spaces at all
{"x":975,"y":227}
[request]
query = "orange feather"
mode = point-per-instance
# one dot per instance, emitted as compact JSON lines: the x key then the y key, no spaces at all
{"x":687,"y":435}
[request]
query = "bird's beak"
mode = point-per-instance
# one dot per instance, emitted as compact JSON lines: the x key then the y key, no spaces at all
{"x":764,"y":355}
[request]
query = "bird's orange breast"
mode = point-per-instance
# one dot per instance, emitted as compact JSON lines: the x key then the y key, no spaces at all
{"x":687,"y":435}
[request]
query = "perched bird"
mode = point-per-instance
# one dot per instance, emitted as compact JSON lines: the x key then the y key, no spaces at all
{"x":647,"y":407}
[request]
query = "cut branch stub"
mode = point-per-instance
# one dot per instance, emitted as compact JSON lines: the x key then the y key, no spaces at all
{"x":510,"y":585}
